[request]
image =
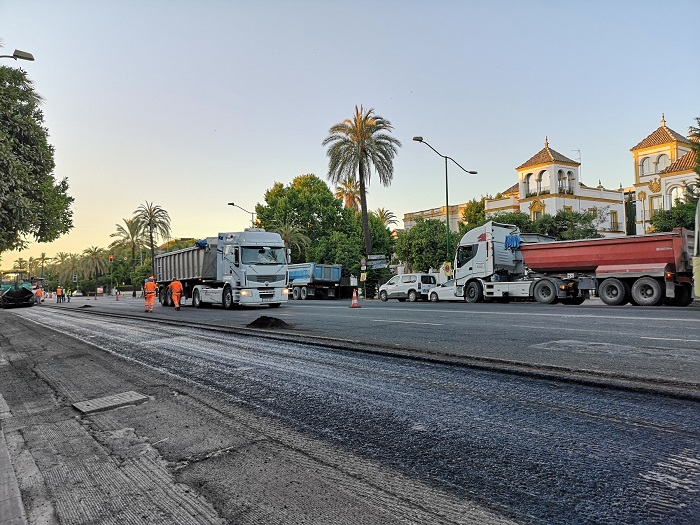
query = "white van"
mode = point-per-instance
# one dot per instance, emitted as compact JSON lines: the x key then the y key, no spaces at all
{"x":411,"y":286}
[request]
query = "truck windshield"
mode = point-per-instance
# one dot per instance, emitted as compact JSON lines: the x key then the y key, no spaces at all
{"x":262,"y":255}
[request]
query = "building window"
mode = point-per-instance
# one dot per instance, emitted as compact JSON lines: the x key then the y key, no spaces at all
{"x":538,"y":180}
{"x":655,"y":204}
{"x":535,"y":215}
{"x":570,"y":180}
{"x":526,"y":181}
{"x":676,"y":195}
{"x":645,"y":167}
{"x":662,"y":163}
{"x":561,"y":181}
{"x":614,"y":224}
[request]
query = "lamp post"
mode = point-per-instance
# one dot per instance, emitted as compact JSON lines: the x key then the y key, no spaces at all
{"x":252,"y":213}
{"x":447,"y":195}
{"x":22,"y":55}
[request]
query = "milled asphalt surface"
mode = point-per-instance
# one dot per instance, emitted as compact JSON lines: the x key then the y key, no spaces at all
{"x":11,"y":508}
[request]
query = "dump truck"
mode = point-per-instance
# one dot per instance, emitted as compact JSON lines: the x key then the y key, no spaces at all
{"x":497,"y":262}
{"x":231,"y":269}
{"x":313,"y":280}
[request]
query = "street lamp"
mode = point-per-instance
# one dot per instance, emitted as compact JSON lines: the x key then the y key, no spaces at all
{"x":252,"y":213}
{"x":22,"y":55}
{"x":447,"y":198}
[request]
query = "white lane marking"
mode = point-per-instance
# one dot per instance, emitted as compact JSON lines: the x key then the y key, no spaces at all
{"x":403,"y":322}
{"x":670,"y":339}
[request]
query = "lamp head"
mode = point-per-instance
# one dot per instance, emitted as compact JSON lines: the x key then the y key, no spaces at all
{"x":472,"y":172}
{"x":22,"y":55}
{"x":231,"y":204}
{"x":418,"y":139}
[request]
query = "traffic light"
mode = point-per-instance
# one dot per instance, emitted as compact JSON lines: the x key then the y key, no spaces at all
{"x":111,"y":258}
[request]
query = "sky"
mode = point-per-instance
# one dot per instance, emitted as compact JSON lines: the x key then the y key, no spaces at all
{"x":191,"y":105}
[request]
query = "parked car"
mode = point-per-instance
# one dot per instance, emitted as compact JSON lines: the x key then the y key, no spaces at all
{"x":408,"y":286}
{"x":445,"y":292}
{"x":77,"y":293}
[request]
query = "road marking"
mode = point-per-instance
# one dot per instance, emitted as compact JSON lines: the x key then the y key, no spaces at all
{"x":403,"y":322}
{"x":669,"y":339}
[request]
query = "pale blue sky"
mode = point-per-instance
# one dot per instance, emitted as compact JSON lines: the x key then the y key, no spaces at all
{"x":195,"y":104}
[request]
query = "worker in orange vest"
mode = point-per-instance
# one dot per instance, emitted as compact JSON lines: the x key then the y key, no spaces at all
{"x":176,"y":291}
{"x":38,"y":295}
{"x":149,"y":290}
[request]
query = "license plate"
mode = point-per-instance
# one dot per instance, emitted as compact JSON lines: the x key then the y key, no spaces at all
{"x":264,"y":300}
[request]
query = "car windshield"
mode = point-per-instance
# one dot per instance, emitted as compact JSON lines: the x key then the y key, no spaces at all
{"x":262,"y":255}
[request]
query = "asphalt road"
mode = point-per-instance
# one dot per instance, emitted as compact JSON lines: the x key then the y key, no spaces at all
{"x":510,"y":447}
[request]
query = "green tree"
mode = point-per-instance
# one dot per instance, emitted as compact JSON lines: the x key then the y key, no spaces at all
{"x":474,"y":214}
{"x":130,"y":237}
{"x":356,"y":145}
{"x":95,"y":262}
{"x":519,"y":219}
{"x":682,"y":215}
{"x":423,"y":246}
{"x":155,"y":221}
{"x":294,"y":238}
{"x":348,"y":191}
{"x":568,"y":225}
{"x":32,"y":202}
{"x":386,"y":217}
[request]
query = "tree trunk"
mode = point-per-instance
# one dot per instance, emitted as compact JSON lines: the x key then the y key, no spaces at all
{"x":365,"y":218}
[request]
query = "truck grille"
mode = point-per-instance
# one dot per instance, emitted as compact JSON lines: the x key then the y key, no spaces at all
{"x":265,"y":278}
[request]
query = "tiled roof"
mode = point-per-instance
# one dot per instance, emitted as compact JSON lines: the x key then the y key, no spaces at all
{"x":546,"y":156}
{"x":663,"y":135}
{"x":685,"y":163}
{"x":515,"y":188}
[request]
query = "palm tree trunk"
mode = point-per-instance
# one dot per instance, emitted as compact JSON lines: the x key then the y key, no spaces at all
{"x":153,"y":252}
{"x":365,"y":218}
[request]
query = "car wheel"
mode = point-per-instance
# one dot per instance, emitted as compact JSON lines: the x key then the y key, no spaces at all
{"x":383,"y":296}
{"x":434,"y":297}
{"x":412,"y":296}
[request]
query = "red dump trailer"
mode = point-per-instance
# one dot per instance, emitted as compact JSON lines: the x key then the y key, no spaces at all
{"x":496,"y":261}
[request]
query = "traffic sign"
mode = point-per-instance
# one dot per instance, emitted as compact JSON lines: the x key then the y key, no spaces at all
{"x":375,"y":257}
{"x":363,"y":262}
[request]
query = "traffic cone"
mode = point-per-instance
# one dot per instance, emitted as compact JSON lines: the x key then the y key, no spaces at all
{"x":354,"y":299}
{"x":117,"y":296}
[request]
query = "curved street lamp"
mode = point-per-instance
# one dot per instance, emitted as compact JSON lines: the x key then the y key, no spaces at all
{"x":252,"y":213}
{"x":22,"y":55}
{"x":447,"y":198}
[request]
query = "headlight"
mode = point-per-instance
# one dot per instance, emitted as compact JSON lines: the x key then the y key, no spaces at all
{"x":285,"y":291}
{"x":246,"y":293}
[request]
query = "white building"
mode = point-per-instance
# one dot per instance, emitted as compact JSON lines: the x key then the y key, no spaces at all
{"x":664,"y":164}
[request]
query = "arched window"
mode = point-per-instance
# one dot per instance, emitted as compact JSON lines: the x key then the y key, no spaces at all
{"x":527,"y":183}
{"x":538,"y":179}
{"x":676,"y":194}
{"x":662,"y":162}
{"x":570,"y":181}
{"x":561,"y":182}
{"x":645,"y":167}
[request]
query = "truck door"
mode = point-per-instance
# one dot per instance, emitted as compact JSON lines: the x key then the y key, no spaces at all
{"x":465,"y":258}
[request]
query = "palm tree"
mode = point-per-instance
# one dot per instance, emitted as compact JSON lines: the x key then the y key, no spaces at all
{"x":292,"y":235}
{"x":156,"y":221}
{"x":43,"y":261}
{"x":21,"y":265}
{"x":348,"y":190}
{"x":356,"y":146}
{"x":94,"y":262}
{"x":130,"y":237}
{"x":387,"y":217}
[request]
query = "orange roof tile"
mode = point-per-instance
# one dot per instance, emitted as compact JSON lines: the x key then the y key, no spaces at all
{"x":663,"y":135}
{"x":546,"y":156}
{"x":685,"y":163}
{"x":515,"y":188}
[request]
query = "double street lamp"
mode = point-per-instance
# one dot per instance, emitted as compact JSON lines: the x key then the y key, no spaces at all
{"x":447,"y":195}
{"x":252,"y":213}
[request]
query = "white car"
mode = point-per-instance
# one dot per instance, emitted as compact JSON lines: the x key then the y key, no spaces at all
{"x":77,"y":293}
{"x":408,"y":286}
{"x":444,"y":292}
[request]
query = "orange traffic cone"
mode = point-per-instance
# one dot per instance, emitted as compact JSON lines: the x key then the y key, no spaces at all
{"x":354,"y":299}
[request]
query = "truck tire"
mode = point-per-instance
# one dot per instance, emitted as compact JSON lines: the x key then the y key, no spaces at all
{"x":647,"y":291}
{"x":474,"y":292}
{"x":196,"y":299}
{"x":614,"y":292}
{"x":412,"y":296}
{"x":228,"y":298}
{"x":295,"y":293}
{"x":303,"y":293}
{"x":383,"y":296}
{"x":683,"y":296}
{"x":545,"y":292}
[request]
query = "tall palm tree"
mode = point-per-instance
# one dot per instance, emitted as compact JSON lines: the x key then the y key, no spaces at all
{"x":43,"y":261}
{"x":130,"y":237}
{"x":348,"y":190}
{"x":292,"y":235}
{"x":387,"y":217}
{"x":21,"y":265}
{"x":156,"y":221}
{"x":357,"y":144}
{"x":94,"y":262}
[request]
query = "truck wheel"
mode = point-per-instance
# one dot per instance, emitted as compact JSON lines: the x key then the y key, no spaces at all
{"x":295,"y":293}
{"x":228,"y":298}
{"x":412,"y":296}
{"x":383,"y":296}
{"x":683,"y":296}
{"x":196,"y":299}
{"x":614,"y":292}
{"x":545,"y":292}
{"x":647,"y":291}
{"x":474,"y":292}
{"x":303,"y":293}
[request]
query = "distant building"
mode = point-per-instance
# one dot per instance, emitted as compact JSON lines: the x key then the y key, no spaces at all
{"x":664,"y":164}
